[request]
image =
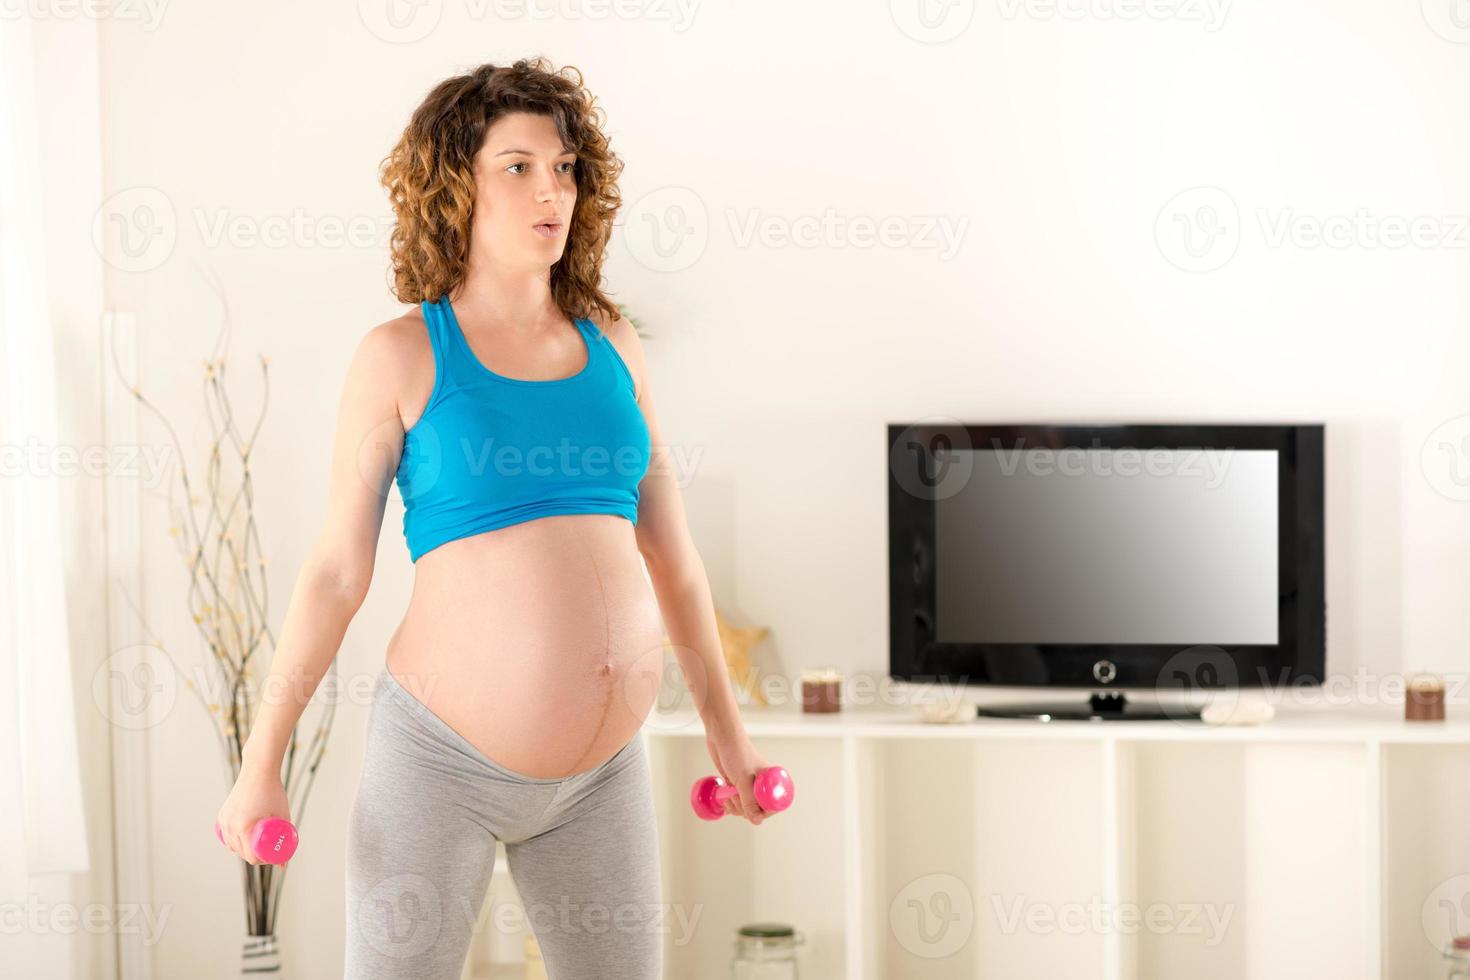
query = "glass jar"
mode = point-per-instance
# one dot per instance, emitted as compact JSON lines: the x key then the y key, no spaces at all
{"x":765,"y":951}
{"x":1457,"y":951}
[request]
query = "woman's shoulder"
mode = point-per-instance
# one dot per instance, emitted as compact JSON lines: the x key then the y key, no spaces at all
{"x":395,"y":348}
{"x":398,"y":334}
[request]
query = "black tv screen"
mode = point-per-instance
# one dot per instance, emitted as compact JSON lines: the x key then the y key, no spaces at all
{"x":1032,"y":554}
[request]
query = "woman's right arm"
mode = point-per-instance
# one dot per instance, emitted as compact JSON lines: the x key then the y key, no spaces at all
{"x":334,"y":579}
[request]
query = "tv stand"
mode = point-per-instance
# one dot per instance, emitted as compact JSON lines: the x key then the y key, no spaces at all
{"x":1330,"y":833}
{"x":1100,"y":706}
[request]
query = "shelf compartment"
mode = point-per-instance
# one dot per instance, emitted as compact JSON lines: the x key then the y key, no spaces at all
{"x":722,"y":874}
{"x":969,"y":847}
{"x":1426,"y":879}
{"x":1250,"y":856}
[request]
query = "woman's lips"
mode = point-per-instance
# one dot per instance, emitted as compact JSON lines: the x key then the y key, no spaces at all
{"x":548,"y":229}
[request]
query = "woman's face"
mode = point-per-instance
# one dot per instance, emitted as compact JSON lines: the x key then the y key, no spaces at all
{"x":523,"y":178}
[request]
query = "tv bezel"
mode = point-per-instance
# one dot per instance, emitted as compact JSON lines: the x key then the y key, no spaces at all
{"x":1297,"y":658}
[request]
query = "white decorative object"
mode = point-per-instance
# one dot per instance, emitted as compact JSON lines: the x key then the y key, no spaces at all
{"x":945,"y":712}
{"x":1238,"y":711}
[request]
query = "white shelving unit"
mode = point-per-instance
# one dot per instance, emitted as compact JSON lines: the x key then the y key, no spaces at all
{"x":1323,"y":843}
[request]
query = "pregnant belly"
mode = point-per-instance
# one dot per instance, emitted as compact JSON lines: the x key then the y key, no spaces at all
{"x":540,"y":643}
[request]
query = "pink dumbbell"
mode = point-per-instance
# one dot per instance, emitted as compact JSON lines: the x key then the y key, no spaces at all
{"x":273,"y":840}
{"x":774,"y":791}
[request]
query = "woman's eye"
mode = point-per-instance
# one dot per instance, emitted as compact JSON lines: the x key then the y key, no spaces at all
{"x":570,"y":165}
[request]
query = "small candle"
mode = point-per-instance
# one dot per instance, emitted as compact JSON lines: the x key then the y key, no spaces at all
{"x":1424,"y":698}
{"x":821,"y":690}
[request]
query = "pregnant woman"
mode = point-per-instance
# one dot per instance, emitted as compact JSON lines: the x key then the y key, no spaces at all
{"x":513,"y":406}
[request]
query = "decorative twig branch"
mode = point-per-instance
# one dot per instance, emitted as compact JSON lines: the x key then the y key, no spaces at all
{"x":228,"y":600}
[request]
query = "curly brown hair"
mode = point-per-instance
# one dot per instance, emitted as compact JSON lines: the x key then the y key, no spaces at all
{"x":430,"y":180}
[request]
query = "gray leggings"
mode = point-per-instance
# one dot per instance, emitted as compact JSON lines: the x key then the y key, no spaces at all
{"x":582,"y":851}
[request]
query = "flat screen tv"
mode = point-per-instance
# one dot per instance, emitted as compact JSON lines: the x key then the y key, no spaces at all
{"x":1166,"y":559}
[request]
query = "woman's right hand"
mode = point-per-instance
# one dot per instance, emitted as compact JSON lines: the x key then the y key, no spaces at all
{"x":255,"y":796}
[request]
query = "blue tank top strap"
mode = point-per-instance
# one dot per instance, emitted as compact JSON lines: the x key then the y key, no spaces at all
{"x":449,"y":367}
{"x":596,"y":358}
{"x":603,"y":350}
{"x":589,"y":329}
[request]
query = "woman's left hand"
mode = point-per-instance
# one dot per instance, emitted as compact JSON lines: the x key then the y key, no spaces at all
{"x":737,"y":761}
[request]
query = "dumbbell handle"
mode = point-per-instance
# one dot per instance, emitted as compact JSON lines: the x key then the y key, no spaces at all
{"x":723,"y":793}
{"x":272,"y":840}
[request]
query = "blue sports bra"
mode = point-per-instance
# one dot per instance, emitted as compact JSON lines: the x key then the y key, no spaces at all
{"x":491,"y":451}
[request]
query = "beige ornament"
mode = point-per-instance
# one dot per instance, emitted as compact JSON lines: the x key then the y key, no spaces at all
{"x":737,"y":644}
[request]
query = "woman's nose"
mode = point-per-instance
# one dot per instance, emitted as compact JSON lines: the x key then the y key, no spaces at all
{"x":547,"y":188}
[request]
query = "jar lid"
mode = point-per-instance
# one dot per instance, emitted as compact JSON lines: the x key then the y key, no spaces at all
{"x":767,"y":930}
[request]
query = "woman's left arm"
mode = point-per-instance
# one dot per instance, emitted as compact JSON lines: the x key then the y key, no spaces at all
{"x":682,"y":588}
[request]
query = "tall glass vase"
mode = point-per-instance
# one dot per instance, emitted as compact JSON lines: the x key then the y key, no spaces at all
{"x":261,"y":957}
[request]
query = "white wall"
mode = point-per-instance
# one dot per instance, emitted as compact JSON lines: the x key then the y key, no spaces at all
{"x":1057,"y":143}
